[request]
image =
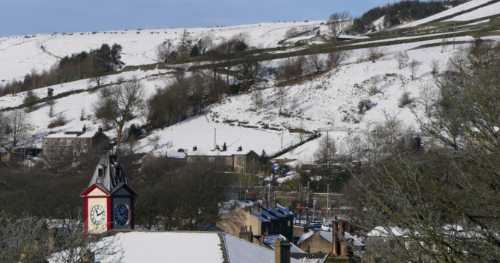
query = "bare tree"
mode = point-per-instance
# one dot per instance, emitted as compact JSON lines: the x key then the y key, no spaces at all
{"x":165,"y":52}
{"x":291,"y":68}
{"x":403,"y":59}
{"x":374,"y":54}
{"x":205,"y":43}
{"x":414,"y":66}
{"x":281,"y":94}
{"x":3,"y":127}
{"x":335,"y":59}
{"x":336,"y":23}
{"x":18,"y":126}
{"x":257,"y":99}
{"x":326,"y":151}
{"x":120,"y":104}
{"x":316,"y":63}
{"x":31,"y":239}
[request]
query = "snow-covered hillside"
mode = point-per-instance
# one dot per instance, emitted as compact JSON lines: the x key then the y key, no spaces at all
{"x":21,"y":54}
{"x":329,"y":103}
{"x":464,"y":12}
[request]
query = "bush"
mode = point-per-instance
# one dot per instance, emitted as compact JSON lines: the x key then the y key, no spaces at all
{"x":374,"y":54}
{"x":184,"y":98}
{"x":58,"y":122}
{"x":405,"y":100}
{"x":365,"y":105}
{"x":291,"y":69}
{"x":30,"y":100}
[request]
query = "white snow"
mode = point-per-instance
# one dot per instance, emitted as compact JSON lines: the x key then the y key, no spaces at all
{"x":489,"y":10}
{"x":463,"y":7}
{"x":200,"y":132}
{"x":330,"y":102}
{"x":381,"y":231}
{"x":21,"y":54}
{"x":379,"y":24}
{"x":241,"y":251}
{"x":178,"y":247}
{"x":305,"y":237}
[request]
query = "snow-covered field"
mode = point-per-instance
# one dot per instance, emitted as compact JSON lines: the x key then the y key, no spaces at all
{"x":204,"y":134}
{"x":21,"y":54}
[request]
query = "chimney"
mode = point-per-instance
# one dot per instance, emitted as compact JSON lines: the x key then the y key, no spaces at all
{"x":246,"y":234}
{"x":281,"y":251}
{"x":335,"y":239}
{"x":344,"y":249}
{"x":341,"y":228}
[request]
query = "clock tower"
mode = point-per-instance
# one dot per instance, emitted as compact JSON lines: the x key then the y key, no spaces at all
{"x":108,"y":201}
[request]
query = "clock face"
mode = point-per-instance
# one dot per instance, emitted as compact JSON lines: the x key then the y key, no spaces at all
{"x":121,"y":214}
{"x":97,"y":215}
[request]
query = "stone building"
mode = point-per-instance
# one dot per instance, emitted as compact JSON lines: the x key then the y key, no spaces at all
{"x":70,"y":146}
{"x":235,"y":160}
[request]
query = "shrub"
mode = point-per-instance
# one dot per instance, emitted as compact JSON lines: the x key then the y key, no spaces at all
{"x":405,"y":100}
{"x":374,"y":54}
{"x":58,"y":122}
{"x":30,"y":100}
{"x":291,"y":69}
{"x":365,"y":105}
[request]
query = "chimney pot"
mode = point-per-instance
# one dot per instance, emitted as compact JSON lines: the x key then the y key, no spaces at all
{"x":282,"y":251}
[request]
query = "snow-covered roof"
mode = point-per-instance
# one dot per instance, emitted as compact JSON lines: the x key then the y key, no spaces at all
{"x":179,"y":247}
{"x":327,"y":235}
{"x":381,"y":231}
{"x":269,"y":241}
{"x":84,"y":133}
{"x":241,"y":251}
{"x":305,"y":237}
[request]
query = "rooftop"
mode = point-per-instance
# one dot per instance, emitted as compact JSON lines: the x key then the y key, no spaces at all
{"x":109,"y":173}
{"x":179,"y":247}
{"x":84,"y":133}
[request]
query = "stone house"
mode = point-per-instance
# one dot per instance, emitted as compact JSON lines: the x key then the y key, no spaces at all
{"x":339,"y":244}
{"x":70,"y":146}
{"x":237,"y":160}
{"x":260,"y":221}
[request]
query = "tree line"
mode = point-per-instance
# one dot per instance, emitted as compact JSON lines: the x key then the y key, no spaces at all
{"x":400,"y":12}
{"x":92,"y":64}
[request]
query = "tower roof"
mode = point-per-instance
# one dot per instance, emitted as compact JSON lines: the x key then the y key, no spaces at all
{"x":109,"y":174}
